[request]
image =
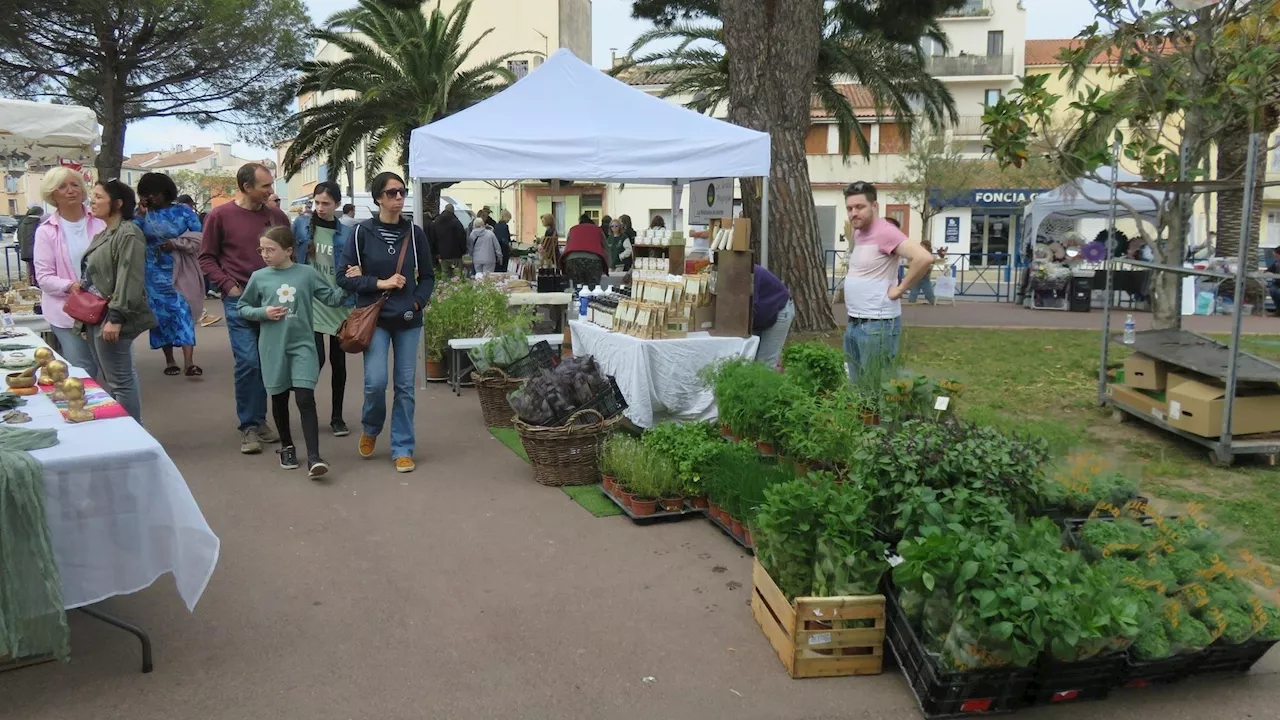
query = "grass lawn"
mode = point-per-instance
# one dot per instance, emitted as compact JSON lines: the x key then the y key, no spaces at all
{"x":1045,"y":382}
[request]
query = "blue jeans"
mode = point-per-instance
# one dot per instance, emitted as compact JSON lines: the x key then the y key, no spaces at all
{"x":925,"y":284}
{"x":119,"y":375}
{"x":774,"y":337}
{"x":871,"y":341}
{"x":402,"y":345}
{"x":76,"y":350}
{"x":251,"y":395}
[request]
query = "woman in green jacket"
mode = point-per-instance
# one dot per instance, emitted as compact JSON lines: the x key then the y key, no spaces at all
{"x":114,"y":267}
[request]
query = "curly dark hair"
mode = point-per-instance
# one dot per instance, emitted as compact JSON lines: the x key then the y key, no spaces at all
{"x":160,"y":184}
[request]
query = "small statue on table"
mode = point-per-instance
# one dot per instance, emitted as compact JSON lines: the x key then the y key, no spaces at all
{"x":58,"y":371}
{"x":73,"y":390}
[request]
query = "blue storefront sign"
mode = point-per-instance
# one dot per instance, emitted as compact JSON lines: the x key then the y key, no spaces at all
{"x":984,"y":198}
{"x":953,"y":229}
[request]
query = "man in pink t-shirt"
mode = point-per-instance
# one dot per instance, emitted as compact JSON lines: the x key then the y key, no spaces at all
{"x":872,"y":292}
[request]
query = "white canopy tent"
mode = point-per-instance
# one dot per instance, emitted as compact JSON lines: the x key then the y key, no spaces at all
{"x":1092,"y":198}
{"x":568,"y":120}
{"x":44,"y":134}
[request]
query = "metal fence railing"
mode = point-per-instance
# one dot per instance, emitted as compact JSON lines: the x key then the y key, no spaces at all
{"x":985,"y":276}
{"x":958,"y":65}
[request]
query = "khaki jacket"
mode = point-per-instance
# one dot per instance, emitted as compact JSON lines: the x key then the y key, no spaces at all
{"x":115,"y":267}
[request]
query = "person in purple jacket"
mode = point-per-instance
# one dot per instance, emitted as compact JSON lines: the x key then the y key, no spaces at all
{"x":771,"y":314}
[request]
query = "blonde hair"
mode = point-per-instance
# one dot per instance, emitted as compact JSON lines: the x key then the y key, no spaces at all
{"x":504,"y":216}
{"x":55,"y":178}
{"x":548,"y":220}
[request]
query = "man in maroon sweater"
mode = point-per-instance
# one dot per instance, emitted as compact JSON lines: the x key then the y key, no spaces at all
{"x":228,"y":256}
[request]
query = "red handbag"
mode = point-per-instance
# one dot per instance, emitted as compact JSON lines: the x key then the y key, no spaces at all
{"x":89,"y":308}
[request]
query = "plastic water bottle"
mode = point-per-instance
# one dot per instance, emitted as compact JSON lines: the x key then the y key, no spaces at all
{"x":1130,"y":329}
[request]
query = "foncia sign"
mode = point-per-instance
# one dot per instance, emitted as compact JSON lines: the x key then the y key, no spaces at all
{"x":992,"y":198}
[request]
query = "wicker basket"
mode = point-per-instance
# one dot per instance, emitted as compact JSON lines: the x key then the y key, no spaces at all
{"x":492,"y":386}
{"x":566,"y":455}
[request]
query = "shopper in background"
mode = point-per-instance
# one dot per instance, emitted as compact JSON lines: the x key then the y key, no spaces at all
{"x":549,"y":248}
{"x":487,"y":214}
{"x":27,"y":239}
{"x":605,"y":222}
{"x":348,"y":217}
{"x":657,"y":222}
{"x":630,"y":232}
{"x":503,"y":232}
{"x":584,"y":258}
{"x":164,"y":224}
{"x":618,"y":245}
{"x":369,"y":270}
{"x":483,"y":247}
{"x":450,"y":240}
{"x":321,"y":242}
{"x":771,"y":314}
{"x":871,"y":295}
{"x":926,"y":283}
{"x":229,"y":255}
{"x":1272,"y":284}
{"x":114,"y":267}
{"x":59,"y":245}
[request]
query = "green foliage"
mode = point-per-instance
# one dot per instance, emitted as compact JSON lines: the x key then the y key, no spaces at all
{"x":848,"y":560}
{"x":688,"y":446}
{"x":464,"y":308}
{"x":747,"y":395}
{"x":1120,"y":537}
{"x":401,"y":68}
{"x":502,"y":350}
{"x":653,"y":476}
{"x":1152,"y":643}
{"x":815,"y":367}
{"x":1082,"y":481}
{"x":786,"y":534}
{"x":620,"y":455}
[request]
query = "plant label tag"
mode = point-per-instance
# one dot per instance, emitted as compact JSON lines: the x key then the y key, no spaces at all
{"x":820,"y":638}
{"x":893,"y":560}
{"x":1175,"y":409}
{"x":942,"y":404}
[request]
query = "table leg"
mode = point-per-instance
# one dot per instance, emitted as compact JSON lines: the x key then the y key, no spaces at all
{"x":454,"y":374}
{"x":131,"y":629}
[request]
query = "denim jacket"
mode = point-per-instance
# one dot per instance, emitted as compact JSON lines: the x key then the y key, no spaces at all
{"x":341,"y":245}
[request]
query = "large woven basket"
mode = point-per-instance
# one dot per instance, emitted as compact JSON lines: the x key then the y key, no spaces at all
{"x":492,"y":386}
{"x":569,"y":454}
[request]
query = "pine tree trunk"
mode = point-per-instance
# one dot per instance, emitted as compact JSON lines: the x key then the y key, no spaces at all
{"x":772,"y":47}
{"x":111,"y":156}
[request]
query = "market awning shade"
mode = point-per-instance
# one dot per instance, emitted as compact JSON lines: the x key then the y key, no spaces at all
{"x":43,"y":133}
{"x":571,"y":121}
{"x":1092,"y":198}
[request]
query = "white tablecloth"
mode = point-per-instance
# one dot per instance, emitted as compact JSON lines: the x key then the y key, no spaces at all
{"x":659,"y":378}
{"x":120,"y":513}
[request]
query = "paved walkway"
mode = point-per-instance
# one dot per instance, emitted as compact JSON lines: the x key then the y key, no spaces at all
{"x":463,"y":590}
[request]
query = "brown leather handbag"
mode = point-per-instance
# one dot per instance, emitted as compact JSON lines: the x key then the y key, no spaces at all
{"x":356,"y":332}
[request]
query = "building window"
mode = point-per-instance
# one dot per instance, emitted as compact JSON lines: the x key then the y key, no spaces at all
{"x":815,"y":141}
{"x":519,"y":68}
{"x":992,"y":97}
{"x":1273,"y":229}
{"x":932,"y":48}
{"x":995,"y":42}
{"x":1275,"y":154}
{"x":900,"y":213}
{"x":13,"y":207}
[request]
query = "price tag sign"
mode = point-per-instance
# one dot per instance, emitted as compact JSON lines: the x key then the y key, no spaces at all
{"x":942,"y":403}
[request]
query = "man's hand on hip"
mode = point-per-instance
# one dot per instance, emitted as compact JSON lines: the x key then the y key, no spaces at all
{"x":896,"y":292}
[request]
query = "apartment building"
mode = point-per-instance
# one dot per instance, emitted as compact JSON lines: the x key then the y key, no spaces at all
{"x":532,"y":28}
{"x":217,"y":158}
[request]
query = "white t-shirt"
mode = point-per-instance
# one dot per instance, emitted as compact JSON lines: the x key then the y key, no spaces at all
{"x":873,"y":271}
{"x":76,"y":235}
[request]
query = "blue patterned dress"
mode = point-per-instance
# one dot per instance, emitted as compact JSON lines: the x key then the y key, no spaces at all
{"x":174,"y":324}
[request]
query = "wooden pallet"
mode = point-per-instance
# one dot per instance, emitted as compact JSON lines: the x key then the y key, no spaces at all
{"x":808,"y":650}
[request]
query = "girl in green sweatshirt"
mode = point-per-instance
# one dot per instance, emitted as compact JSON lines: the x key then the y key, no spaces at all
{"x":280,"y":297}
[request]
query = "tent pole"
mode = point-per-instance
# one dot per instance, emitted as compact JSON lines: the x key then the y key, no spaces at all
{"x":1106,"y":268}
{"x":677,"y":217}
{"x":764,"y":224}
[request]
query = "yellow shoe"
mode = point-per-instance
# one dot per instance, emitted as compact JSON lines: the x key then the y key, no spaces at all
{"x":404,"y":464}
{"x":367,"y":444}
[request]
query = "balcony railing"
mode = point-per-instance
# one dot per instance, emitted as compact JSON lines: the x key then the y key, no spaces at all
{"x":970,"y":126}
{"x":971,"y":8}
{"x":959,"y":65}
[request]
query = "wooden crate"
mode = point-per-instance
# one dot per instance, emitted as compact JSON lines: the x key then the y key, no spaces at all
{"x":819,"y":651}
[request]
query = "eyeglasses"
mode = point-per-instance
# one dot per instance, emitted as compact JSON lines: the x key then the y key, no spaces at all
{"x":857,"y":188}
{"x":395,"y":192}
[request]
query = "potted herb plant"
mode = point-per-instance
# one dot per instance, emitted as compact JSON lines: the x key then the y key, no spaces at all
{"x":461,"y":307}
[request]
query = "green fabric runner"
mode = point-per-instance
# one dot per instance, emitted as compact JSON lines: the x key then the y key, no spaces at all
{"x":32,"y":620}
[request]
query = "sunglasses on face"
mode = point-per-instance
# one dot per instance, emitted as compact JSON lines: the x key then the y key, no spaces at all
{"x":395,"y":192}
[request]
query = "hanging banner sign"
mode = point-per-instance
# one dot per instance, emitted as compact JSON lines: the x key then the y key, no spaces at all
{"x":710,"y":200}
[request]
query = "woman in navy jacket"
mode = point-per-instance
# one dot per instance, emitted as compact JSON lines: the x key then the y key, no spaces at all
{"x":369,"y":270}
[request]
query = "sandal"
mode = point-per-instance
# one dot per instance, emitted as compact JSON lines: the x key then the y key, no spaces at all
{"x":194,"y":371}
{"x":172,"y":370}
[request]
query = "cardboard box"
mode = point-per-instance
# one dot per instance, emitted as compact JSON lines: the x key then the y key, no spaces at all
{"x":1196,"y":405}
{"x":1144,"y":373}
{"x":1140,"y":401}
{"x":704,"y":318}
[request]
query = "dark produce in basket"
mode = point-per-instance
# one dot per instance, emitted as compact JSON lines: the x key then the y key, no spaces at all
{"x":550,"y":397}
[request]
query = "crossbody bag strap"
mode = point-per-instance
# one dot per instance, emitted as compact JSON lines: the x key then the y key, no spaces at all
{"x":404,"y":248}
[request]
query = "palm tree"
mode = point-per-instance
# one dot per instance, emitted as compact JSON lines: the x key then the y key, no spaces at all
{"x":894,"y":73}
{"x":402,"y":69}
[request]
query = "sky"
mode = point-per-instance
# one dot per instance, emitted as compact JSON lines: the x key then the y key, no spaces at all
{"x":612,"y":27}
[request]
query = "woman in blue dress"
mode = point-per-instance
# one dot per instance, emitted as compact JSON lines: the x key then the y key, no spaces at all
{"x":163,"y":225}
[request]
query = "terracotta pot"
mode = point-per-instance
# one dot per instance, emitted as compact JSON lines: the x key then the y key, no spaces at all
{"x":641,"y":508}
{"x":722,"y":516}
{"x":610,"y":483}
{"x":726,"y":432}
{"x":713,"y":509}
{"x":625,"y":497}
{"x":746,"y":538}
{"x":699,"y":502}
{"x":870,"y":418}
{"x":437,"y":371}
{"x":766,"y":448}
{"x":736,"y":526}
{"x":671,"y":504}
{"x":802,"y":468}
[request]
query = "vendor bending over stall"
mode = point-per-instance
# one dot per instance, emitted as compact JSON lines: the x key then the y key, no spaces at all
{"x":771,"y":314}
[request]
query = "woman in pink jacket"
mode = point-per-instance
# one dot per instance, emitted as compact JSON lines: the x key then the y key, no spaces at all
{"x":60,"y":244}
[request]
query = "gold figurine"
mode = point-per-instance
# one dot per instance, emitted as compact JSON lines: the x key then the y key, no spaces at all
{"x":73,"y":389}
{"x":43,"y":357}
{"x":59,"y":372}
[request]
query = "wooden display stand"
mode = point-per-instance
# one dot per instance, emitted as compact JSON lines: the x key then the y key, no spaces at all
{"x":734,"y":282}
{"x":673,"y":253}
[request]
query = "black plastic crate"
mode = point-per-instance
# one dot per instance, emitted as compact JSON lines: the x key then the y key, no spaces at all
{"x":944,"y":694}
{"x":1144,"y":673}
{"x":1059,"y":682}
{"x":541,"y":357}
{"x":608,"y":403}
{"x":1221,"y":659}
